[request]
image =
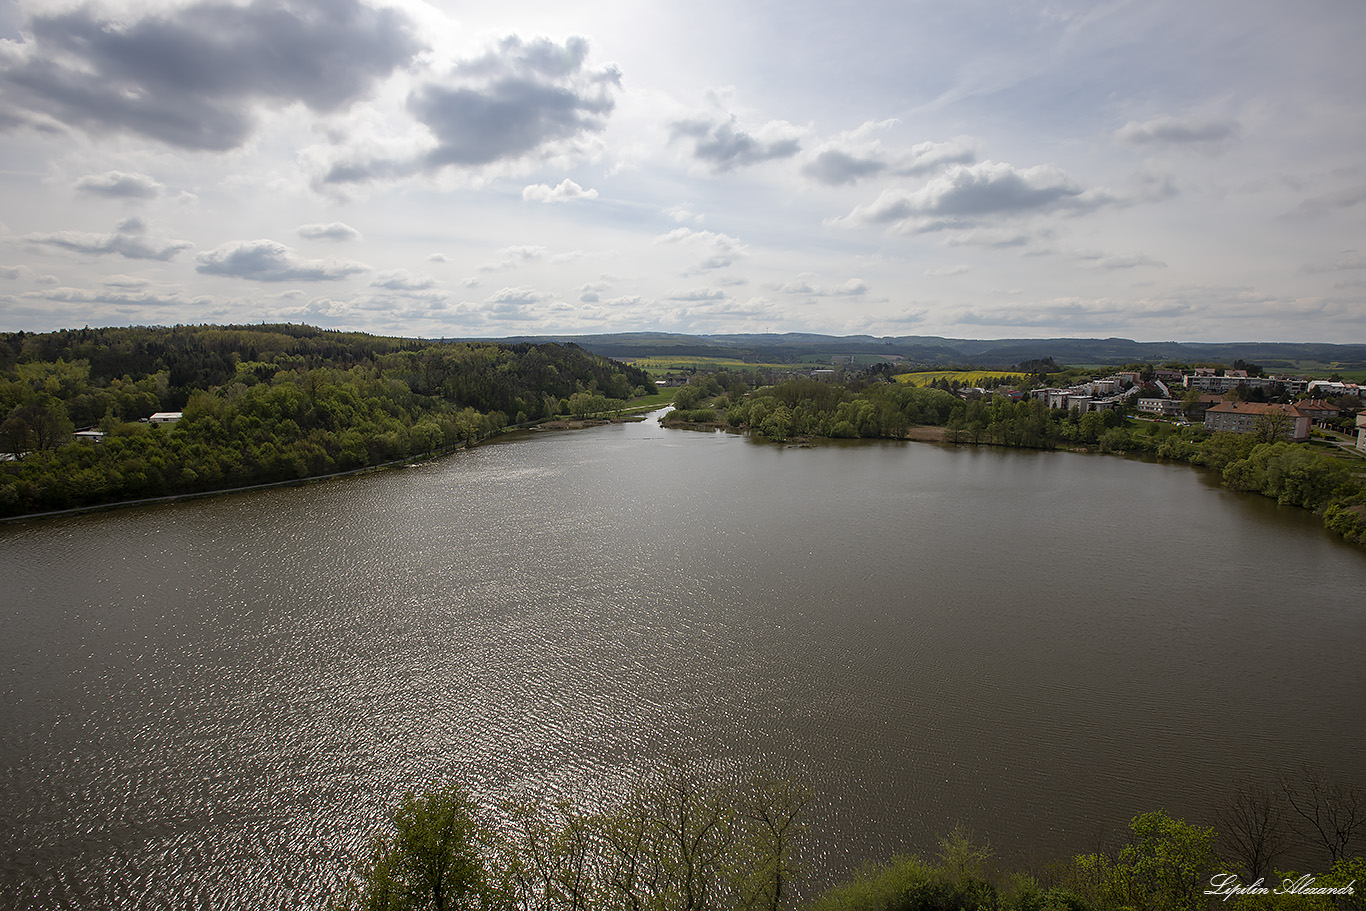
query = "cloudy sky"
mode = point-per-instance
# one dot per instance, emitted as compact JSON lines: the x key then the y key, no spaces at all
{"x":1150,"y":169}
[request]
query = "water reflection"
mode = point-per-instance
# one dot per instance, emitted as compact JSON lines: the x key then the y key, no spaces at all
{"x":210,"y":703}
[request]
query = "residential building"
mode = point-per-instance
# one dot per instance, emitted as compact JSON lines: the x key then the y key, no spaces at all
{"x":1165,"y":407}
{"x":1319,"y":412}
{"x":1247,"y":417}
{"x":1331,"y":387}
{"x":1205,"y":381}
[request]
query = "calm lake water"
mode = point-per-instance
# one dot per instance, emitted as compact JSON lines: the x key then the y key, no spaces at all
{"x":211,"y":704}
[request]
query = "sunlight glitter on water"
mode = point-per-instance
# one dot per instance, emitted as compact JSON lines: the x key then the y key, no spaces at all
{"x":213,"y":703}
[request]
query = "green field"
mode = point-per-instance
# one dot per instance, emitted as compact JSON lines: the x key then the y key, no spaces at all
{"x":964,"y":377}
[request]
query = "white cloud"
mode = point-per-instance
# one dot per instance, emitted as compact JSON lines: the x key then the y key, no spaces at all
{"x":854,"y":287}
{"x":681,"y":214}
{"x":697,"y":294}
{"x":514,"y":256}
{"x":331,"y":231}
{"x":717,"y":251}
{"x":566,"y":191}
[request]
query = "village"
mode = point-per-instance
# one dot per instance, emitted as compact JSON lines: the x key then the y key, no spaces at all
{"x":1223,"y":400}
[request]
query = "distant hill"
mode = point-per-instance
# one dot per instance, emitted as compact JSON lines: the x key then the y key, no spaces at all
{"x":933,"y":351}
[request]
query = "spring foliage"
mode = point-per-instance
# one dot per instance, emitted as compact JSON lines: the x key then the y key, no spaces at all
{"x":260,"y":405}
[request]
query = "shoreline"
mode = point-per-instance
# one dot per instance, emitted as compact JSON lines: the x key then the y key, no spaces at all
{"x":549,"y":424}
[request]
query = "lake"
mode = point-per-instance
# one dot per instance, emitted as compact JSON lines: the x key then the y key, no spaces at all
{"x":211,"y":704}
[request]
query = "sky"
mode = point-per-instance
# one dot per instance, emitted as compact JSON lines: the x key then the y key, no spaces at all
{"x":1150,"y":170}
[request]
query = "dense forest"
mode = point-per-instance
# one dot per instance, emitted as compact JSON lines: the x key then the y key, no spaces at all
{"x":1291,"y":473}
{"x":929,"y":351}
{"x":260,"y":404}
{"x":686,"y":842}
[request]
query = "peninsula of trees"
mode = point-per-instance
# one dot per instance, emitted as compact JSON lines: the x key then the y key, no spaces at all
{"x":261,"y":404}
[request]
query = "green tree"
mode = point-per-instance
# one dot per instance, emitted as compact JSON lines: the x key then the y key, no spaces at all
{"x":429,"y":861}
{"x":1168,"y":862}
{"x":961,"y":857}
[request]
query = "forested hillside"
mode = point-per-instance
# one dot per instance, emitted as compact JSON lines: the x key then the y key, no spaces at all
{"x":260,"y":404}
{"x":934,"y":351}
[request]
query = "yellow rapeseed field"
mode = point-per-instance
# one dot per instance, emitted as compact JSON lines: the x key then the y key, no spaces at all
{"x":964,"y":377}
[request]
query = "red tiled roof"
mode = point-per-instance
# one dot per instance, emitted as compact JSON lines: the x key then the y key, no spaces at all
{"x":1254,"y":408}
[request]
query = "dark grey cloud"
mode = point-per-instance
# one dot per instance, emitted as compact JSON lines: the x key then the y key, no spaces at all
{"x":130,"y":239}
{"x":120,"y":185}
{"x":271,"y":261}
{"x":723,"y":146}
{"x":107,"y":296}
{"x":1328,"y":202}
{"x":968,"y":195}
{"x":1001,"y":238}
{"x":130,"y":299}
{"x":907,"y":317}
{"x":835,"y":167}
{"x":520,"y":99}
{"x":27,"y":274}
{"x":191,"y":77}
{"x":1349,"y":260}
{"x":331,"y":231}
{"x":1177,"y":131}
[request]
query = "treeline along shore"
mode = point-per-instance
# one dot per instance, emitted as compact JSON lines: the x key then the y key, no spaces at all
{"x":194,"y":409}
{"x":871,"y":407}
{"x":687,"y":842}
{"x":239,"y":406}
